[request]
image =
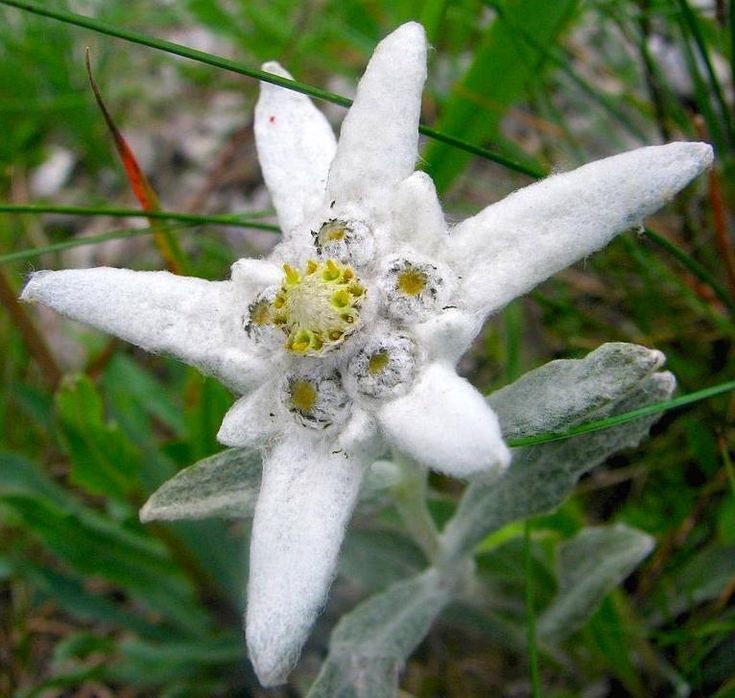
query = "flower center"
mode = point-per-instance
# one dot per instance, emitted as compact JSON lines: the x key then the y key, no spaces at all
{"x":331,"y":231}
{"x":377,"y":362}
{"x":385,"y":366}
{"x":413,"y":289}
{"x":303,"y":395}
{"x":317,"y":401}
{"x":411,"y":281}
{"x":349,"y":241}
{"x":319,"y":307}
{"x":260,"y":312}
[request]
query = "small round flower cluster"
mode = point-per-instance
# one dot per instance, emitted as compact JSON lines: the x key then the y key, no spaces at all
{"x":351,"y":309}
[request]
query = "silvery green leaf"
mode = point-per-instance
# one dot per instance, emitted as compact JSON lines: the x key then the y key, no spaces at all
{"x":701,"y":579}
{"x":369,"y":645}
{"x":561,"y":394}
{"x":375,"y":557}
{"x":590,"y":565}
{"x":381,"y":478}
{"x":224,"y":485}
{"x":540,"y":477}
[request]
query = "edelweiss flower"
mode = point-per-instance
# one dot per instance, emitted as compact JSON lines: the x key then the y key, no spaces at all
{"x":343,"y":342}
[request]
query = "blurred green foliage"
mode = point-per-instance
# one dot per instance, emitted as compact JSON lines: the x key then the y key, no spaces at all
{"x":90,"y":599}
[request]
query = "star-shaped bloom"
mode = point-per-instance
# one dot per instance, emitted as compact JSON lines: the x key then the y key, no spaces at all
{"x":343,"y":342}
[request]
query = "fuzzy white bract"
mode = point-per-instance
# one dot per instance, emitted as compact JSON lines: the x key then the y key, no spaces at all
{"x":343,"y":342}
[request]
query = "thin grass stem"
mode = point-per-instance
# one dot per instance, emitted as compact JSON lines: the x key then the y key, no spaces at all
{"x":693,"y":25}
{"x":722,"y":238}
{"x":234,"y":220}
{"x":531,"y":639}
{"x":21,"y":255}
{"x":166,"y":243}
{"x":31,"y":336}
{"x":618,"y":419}
{"x":693,"y":266}
{"x":731,"y":22}
{"x":226,"y":64}
{"x":702,"y":93}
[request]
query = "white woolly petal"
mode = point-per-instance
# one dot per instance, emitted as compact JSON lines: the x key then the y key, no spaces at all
{"x":360,"y":434}
{"x":515,"y":244}
{"x":295,"y":147}
{"x":418,"y":219}
{"x":253,"y":419}
{"x":448,"y":335}
{"x":378,"y":143}
{"x":306,"y":499}
{"x":445,"y":424}
{"x":197,"y":321}
{"x":253,"y":275}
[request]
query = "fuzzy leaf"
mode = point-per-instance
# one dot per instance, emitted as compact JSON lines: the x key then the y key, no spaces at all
{"x":223,"y":485}
{"x":541,"y":477}
{"x":226,"y":485}
{"x":369,"y":645}
{"x":590,"y":565}
{"x":562,"y":394}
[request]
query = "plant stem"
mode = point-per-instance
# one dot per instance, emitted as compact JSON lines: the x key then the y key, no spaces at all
{"x":236,"y":220}
{"x":36,"y":344}
{"x":410,"y":498}
{"x":530,"y":611}
{"x":693,"y":266}
{"x":719,"y":219}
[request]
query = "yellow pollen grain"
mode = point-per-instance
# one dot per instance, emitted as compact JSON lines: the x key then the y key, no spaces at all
{"x":411,"y":282}
{"x":378,"y":362}
{"x":303,"y":395}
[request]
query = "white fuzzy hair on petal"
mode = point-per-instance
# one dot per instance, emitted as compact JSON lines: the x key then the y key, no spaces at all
{"x":197,"y":321}
{"x":519,"y":242}
{"x":306,"y":499}
{"x":295,"y":148}
{"x":378,"y":143}
{"x":445,"y":424}
{"x":418,"y":217}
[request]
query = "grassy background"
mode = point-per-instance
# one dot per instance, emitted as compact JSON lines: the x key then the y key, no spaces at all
{"x":93,"y":603}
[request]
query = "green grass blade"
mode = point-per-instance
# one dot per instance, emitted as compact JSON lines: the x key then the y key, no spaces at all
{"x":226,"y":64}
{"x":80,"y":242}
{"x":692,"y":266}
{"x":236,"y":220}
{"x":471,"y":149}
{"x":692,"y":23}
{"x":618,"y":419}
{"x":503,"y":65}
{"x":432,"y":14}
{"x":702,"y":94}
{"x":562,"y":62}
{"x":731,"y":22}
{"x":102,"y":27}
{"x":530,"y":611}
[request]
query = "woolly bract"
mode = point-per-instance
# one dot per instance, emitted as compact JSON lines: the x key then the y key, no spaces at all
{"x":343,"y":342}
